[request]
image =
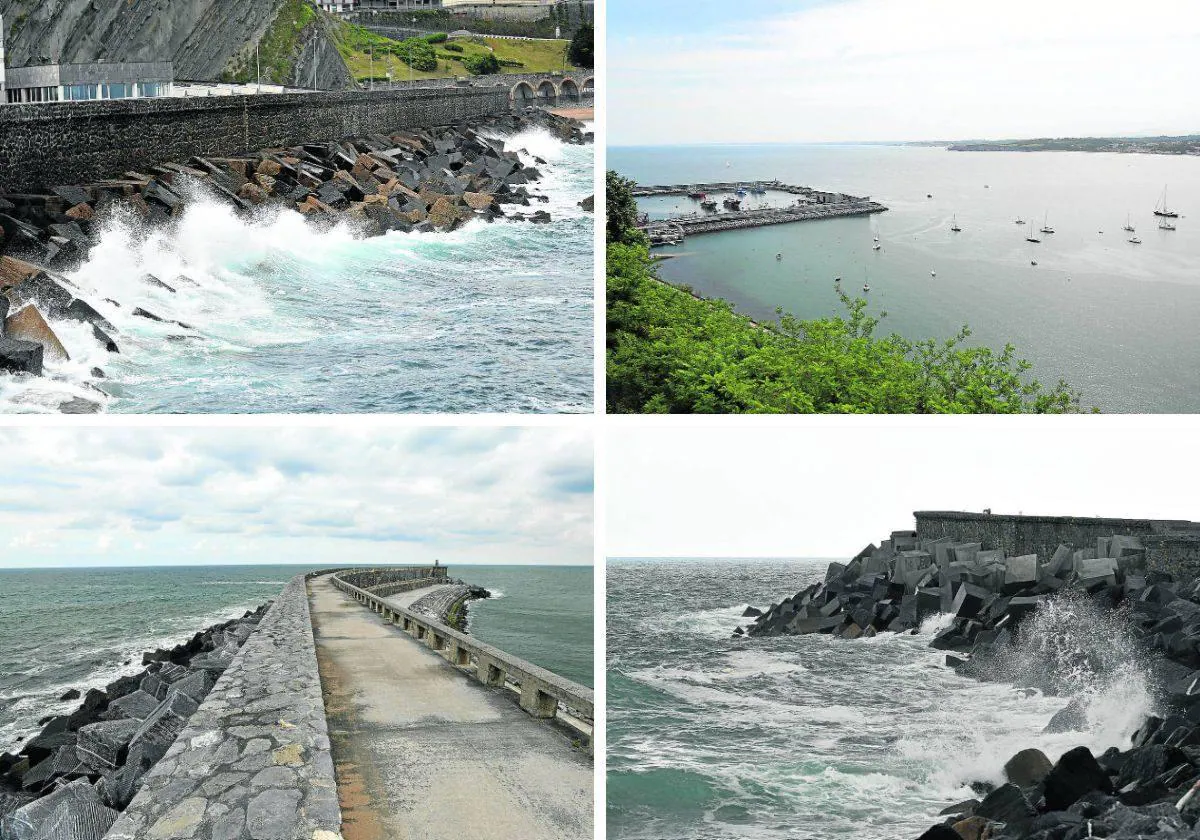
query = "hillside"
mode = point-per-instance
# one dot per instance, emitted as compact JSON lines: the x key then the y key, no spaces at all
{"x":368,"y":54}
{"x":208,"y":40}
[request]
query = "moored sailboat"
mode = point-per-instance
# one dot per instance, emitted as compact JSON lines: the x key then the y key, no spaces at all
{"x":1163,"y":210}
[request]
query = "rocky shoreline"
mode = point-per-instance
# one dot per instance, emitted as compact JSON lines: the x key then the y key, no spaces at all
{"x":986,"y":600}
{"x":75,"y":777}
{"x":418,"y":180}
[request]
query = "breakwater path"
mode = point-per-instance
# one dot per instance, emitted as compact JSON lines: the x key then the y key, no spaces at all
{"x":423,"y":750}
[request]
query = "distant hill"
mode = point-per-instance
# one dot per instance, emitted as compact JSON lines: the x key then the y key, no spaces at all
{"x":1186,"y":145}
{"x":208,"y":40}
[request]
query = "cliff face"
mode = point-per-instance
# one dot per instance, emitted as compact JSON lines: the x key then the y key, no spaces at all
{"x":204,"y":38}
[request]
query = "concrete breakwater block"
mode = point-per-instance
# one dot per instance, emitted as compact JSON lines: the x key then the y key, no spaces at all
{"x":436,"y":179}
{"x":1141,"y":791}
{"x":86,"y":766}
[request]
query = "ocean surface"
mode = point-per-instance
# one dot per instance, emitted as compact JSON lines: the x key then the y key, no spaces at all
{"x":1117,"y":321}
{"x":492,"y":317}
{"x":815,"y":738}
{"x":82,"y":628}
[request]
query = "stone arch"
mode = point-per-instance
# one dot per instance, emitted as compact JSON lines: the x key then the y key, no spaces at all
{"x":547,"y":91}
{"x":522,"y":92}
{"x":589,"y":85}
{"x":569,"y":90}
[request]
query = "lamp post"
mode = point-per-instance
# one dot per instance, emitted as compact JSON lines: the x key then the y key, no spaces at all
{"x":258,"y":67}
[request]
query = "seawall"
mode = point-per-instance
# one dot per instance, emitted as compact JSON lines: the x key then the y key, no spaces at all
{"x":254,"y":760}
{"x":1171,"y":545}
{"x":541,"y":693}
{"x":45,"y":145}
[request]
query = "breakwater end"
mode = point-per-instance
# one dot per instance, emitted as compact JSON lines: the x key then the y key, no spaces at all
{"x":1140,"y":579}
{"x":82,"y":770}
{"x":435,"y":179}
{"x":811,"y":204}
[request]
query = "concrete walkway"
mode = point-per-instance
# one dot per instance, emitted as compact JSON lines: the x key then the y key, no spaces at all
{"x":424,"y":753}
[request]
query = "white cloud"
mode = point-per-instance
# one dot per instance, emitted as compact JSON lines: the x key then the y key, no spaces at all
{"x":180,"y":495}
{"x":828,"y":486}
{"x":911,"y":70}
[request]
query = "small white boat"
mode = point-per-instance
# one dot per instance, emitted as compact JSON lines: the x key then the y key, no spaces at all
{"x":866,"y":287}
{"x":954,"y":225}
{"x":1133,"y":240}
{"x":1128,"y":225}
{"x":1033,"y":262}
{"x":779,"y":256}
{"x":933,"y":274}
{"x":876,"y":247}
{"x":1019,"y":221}
{"x":1046,"y":224}
{"x":1163,"y":224}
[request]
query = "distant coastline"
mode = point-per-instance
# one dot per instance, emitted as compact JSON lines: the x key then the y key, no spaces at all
{"x":1186,"y":145}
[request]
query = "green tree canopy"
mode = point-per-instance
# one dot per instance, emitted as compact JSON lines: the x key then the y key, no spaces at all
{"x":581,"y":52}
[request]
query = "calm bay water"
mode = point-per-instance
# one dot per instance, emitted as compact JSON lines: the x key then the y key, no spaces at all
{"x":1117,"y":321}
{"x":806,"y":737}
{"x":492,"y":317}
{"x":77,"y":628}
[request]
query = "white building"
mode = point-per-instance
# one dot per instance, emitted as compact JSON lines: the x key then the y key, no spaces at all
{"x":82,"y":82}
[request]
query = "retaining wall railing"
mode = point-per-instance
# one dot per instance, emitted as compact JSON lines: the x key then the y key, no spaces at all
{"x":543,"y":694}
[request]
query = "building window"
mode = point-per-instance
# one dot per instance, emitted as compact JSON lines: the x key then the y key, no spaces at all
{"x":117,"y":91}
{"x":79,"y":93}
{"x":152,"y":89}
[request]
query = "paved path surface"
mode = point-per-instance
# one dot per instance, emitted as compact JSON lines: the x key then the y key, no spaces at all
{"x":421,"y":751}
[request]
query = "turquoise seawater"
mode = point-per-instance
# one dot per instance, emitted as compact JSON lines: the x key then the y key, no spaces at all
{"x":808,"y":737}
{"x":1117,"y":321}
{"x":282,"y":318}
{"x":81,"y":628}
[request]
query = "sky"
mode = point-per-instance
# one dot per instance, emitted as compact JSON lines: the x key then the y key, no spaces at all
{"x":831,"y":486}
{"x":765,"y":71}
{"x":183,"y":496}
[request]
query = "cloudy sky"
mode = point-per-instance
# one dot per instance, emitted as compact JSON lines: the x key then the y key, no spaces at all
{"x":699,"y":71}
{"x":832,"y":486}
{"x":158,"y":496}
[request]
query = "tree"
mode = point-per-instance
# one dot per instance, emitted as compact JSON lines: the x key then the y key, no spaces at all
{"x":621,"y":211}
{"x":581,"y":53}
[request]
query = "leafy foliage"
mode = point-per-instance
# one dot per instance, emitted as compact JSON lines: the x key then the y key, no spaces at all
{"x":670,"y":352}
{"x":481,"y":65}
{"x":581,"y":53}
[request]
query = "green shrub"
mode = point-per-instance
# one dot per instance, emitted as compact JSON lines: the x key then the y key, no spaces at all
{"x":437,"y":38}
{"x":482,"y":65}
{"x":415,"y":52}
{"x":454,"y":47}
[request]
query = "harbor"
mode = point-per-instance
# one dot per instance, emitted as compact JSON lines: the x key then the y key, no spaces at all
{"x":808,"y":204}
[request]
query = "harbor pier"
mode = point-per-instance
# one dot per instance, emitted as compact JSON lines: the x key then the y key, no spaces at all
{"x":811,"y":204}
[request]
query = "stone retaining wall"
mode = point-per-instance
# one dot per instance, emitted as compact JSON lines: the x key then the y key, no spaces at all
{"x":254,"y":761}
{"x":46,"y":145}
{"x":1171,"y":545}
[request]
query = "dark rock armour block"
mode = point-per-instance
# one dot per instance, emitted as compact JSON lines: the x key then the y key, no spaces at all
{"x":1076,"y":773}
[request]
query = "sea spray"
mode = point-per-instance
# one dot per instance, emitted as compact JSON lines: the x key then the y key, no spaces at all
{"x":1078,"y":649}
{"x":270,"y":313}
{"x":801,"y":736}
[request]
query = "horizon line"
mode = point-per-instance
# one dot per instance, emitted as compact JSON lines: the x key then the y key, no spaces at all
{"x":893,"y":142}
{"x":278,"y":565}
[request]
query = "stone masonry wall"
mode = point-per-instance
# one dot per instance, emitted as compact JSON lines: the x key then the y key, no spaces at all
{"x":254,"y":761}
{"x":46,"y":145}
{"x":1171,"y":545}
